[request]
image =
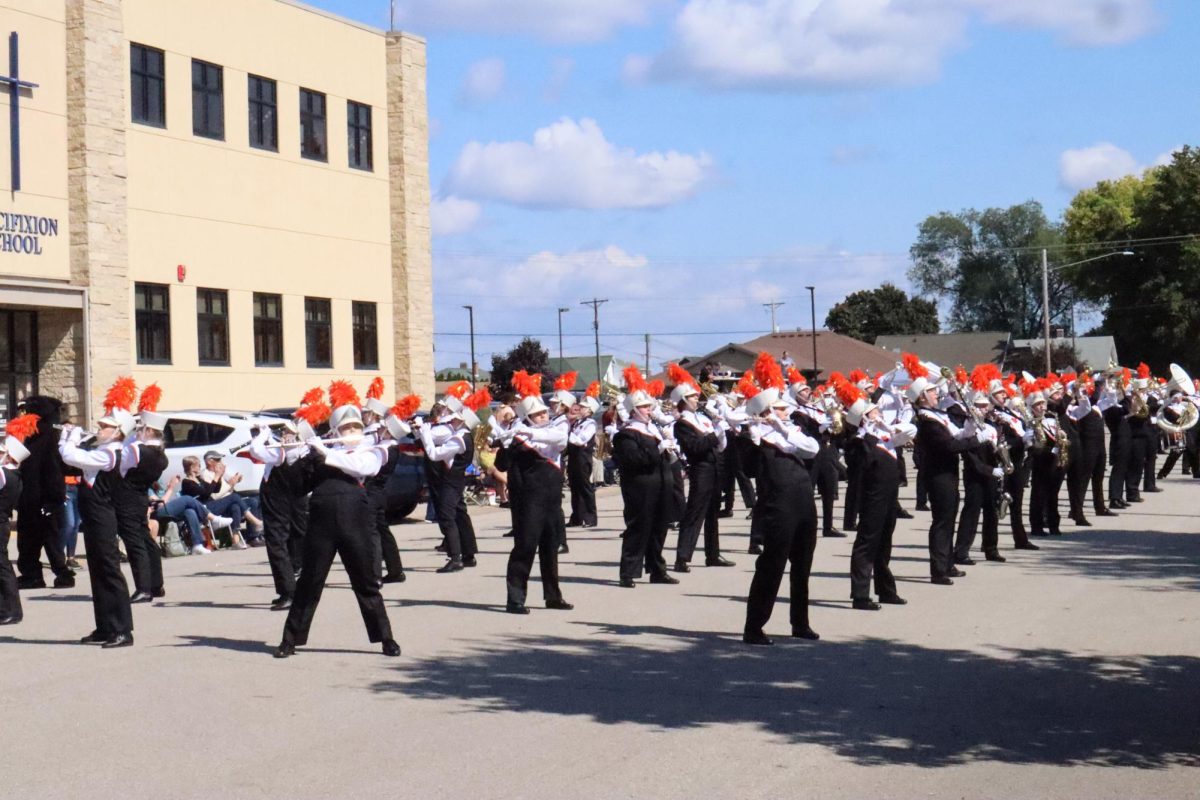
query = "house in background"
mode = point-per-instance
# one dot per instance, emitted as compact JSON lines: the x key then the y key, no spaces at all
{"x":835,"y":353}
{"x":610,"y":369}
{"x":1093,"y":352}
{"x":952,"y":349}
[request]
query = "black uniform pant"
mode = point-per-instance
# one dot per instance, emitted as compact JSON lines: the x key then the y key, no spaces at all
{"x":453,"y":519}
{"x":872,"y":551}
{"x":535,"y":531}
{"x":341,"y":524}
{"x":39,"y":531}
{"x":285,"y":519}
{"x":1120,"y":453}
{"x":1045,"y":486}
{"x":1014,"y":484}
{"x":979,"y":496}
{"x":110,"y":592}
{"x":703,"y":509}
{"x":387,"y":552}
{"x":583,"y":493}
{"x":757,"y":525}
{"x":790,"y":535}
{"x":853,"y":490}
{"x":1087,"y":467}
{"x":1150,"y":466}
{"x":739,"y":452}
{"x":1137,"y":464}
{"x":943,"y":505}
{"x":825,"y":477}
{"x":646,"y":499}
{"x":145,"y":559}
{"x":10,"y":598}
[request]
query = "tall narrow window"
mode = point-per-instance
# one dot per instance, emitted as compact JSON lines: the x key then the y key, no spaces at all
{"x":208,"y":100}
{"x":314,"y":142}
{"x":152,"y":319}
{"x":366,"y":336}
{"x":268,"y":330}
{"x":318,"y":332}
{"x":264,"y":118}
{"x":148,"y":86}
{"x":212,"y":327}
{"x":358,"y":123}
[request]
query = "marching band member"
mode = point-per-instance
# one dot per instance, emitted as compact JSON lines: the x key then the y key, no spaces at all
{"x":12,"y":453}
{"x":143,"y":462}
{"x":823,"y":467}
{"x":1047,"y":473}
{"x":739,"y":454}
{"x":1182,"y":396}
{"x":449,"y":450}
{"x":1114,"y":404}
{"x":983,"y":479}
{"x":1087,"y":466}
{"x":852,"y":449}
{"x":581,"y":450}
{"x":703,"y":444}
{"x":99,"y":461}
{"x":788,"y":511}
{"x":375,"y":418}
{"x":561,"y":403}
{"x":1006,"y":416}
{"x":1143,"y":435}
{"x":340,"y":524}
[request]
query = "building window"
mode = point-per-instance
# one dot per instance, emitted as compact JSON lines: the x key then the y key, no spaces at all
{"x":152,"y":313}
{"x":318,"y":332}
{"x":366,"y":336}
{"x":212,"y":327}
{"x":358,"y":120}
{"x":268,"y":330}
{"x":148,"y":90}
{"x":208,"y":100}
{"x":314,"y":143}
{"x":264,"y":121}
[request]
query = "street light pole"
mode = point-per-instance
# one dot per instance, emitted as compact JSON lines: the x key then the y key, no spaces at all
{"x":595,"y":304}
{"x":471,"y":313}
{"x":812,"y":299}
{"x":561,"y":311}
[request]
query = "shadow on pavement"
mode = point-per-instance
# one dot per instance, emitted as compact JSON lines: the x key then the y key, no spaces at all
{"x":1128,"y":556}
{"x":873,"y":701}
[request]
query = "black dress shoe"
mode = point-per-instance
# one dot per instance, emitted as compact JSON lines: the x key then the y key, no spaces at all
{"x":159,"y":592}
{"x":589,"y":524}
{"x":285,"y":650}
{"x":453,"y":565}
{"x":120,"y":640}
{"x":834,"y":533}
{"x":516,"y":608}
{"x":1038,"y":533}
{"x":469,"y":561}
{"x":754,"y":549}
{"x":141,"y":597}
{"x":941,"y":581}
{"x":892,"y":600}
{"x":31,"y":583}
{"x":851,"y":527}
{"x":964,"y":562}
{"x":1154,"y":490}
{"x":1056,"y":533}
{"x":1138,"y":499}
{"x":903,"y":514}
{"x":1082,"y":522}
{"x":866,"y":604}
{"x":628,"y":583}
{"x":682,"y":566}
{"x":571,"y":524}
{"x":922,"y":506}
{"x":663,"y":578}
{"x":559,"y":605}
{"x":395,"y":577}
{"x":757,"y":638}
{"x":64,"y":582}
{"x":510,"y":534}
{"x":726,"y":514}
{"x":956,"y":573}
{"x":1026,"y":546}
{"x":807,"y":633}
{"x":563,"y":549}
{"x":441,"y":548}
{"x":281,"y":603}
{"x":719,"y":561}
{"x":1107,"y":513}
{"x":994,"y":556}
{"x":95,"y":637}
{"x":11,"y":619}
{"x":390,"y":648}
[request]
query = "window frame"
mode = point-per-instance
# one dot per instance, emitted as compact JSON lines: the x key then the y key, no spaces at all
{"x":147,"y":319}
{"x":139,"y":73}
{"x":309,"y":118}
{"x":355,"y":129}
{"x":203,"y":95}
{"x":261,"y":321}
{"x":206,"y":318}
{"x":313,"y":329}
{"x":256,"y":112}
{"x":360,"y":332}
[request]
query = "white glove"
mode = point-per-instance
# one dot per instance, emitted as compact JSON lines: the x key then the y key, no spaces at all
{"x":665,"y":445}
{"x":318,"y":444}
{"x":997,"y":473}
{"x":983,"y":435}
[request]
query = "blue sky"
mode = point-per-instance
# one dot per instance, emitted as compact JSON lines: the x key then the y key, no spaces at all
{"x":690,"y":160}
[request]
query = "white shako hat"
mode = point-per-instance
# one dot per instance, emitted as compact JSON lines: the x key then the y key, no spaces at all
{"x":452,"y":403}
{"x":590,"y":403}
{"x":765,"y":399}
{"x":563,"y":397}
{"x":154,"y":420}
{"x":304,"y":431}
{"x":682,"y":392}
{"x":638,"y":398}
{"x":15,"y":449}
{"x":529,"y":406}
{"x":345,"y":415}
{"x":858,"y":410}
{"x":996,"y":386}
{"x":398,"y":428}
{"x":917,"y":388}
{"x":1033,"y":398}
{"x":375,"y":406}
{"x":978,"y":398}
{"x":469,"y":418}
{"x":120,"y":418}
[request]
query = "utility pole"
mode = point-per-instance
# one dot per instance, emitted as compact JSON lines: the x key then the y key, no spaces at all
{"x":595,"y":304}
{"x":1046,"y":308}
{"x":392,"y":18}
{"x":812,"y":299}
{"x":471,"y":312}
{"x":773,"y":306}
{"x":647,"y":354}
{"x":561,"y":311}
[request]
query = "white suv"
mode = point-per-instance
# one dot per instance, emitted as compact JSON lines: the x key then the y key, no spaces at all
{"x":196,"y":432}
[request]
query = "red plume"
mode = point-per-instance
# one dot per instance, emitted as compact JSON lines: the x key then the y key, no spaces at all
{"x":313,"y":395}
{"x":527,"y":385}
{"x":746,"y":387}
{"x":22,"y":427}
{"x":151,"y":397}
{"x":856,"y":376}
{"x":478,"y":400}
{"x":633,"y":378}
{"x":1028,"y":387}
{"x":459,"y":390}
{"x":767,"y":372}
{"x":794,"y":376}
{"x":313,"y":413}
{"x":1068,"y":377}
{"x":405,"y":407}
{"x":960,"y":375}
{"x":981,"y":376}
{"x":1051,"y":378}
{"x":566,"y":381}
{"x":655,"y":388}
{"x":836,"y":378}
{"x":679,"y":376}
{"x":593,"y":389}
{"x":848,"y":393}
{"x":913,"y":366}
{"x":1143,"y":370}
{"x":120,"y":395}
{"x":342,"y":393}
{"x":375,"y":390}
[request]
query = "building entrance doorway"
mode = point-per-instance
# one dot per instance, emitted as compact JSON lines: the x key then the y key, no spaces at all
{"x":18,"y":358}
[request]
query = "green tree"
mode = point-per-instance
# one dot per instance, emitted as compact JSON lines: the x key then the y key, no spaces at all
{"x":987,"y":266}
{"x":887,"y":310}
{"x":1150,"y":298}
{"x":528,"y":355}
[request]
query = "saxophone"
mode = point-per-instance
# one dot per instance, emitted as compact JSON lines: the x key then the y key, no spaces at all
{"x":1063,"y":443}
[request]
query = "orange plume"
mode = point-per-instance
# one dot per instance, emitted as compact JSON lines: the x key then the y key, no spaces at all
{"x":1028,"y":387}
{"x":655,"y":388}
{"x":1068,"y":377}
{"x":405,"y":407}
{"x":313,"y":395}
{"x":342,"y":393}
{"x":768,"y":373}
{"x":151,"y":397}
{"x":746,"y":387}
{"x":478,"y":400}
{"x":593,"y":389}
{"x":633,"y":378}
{"x":313,"y":413}
{"x":459,"y":390}
{"x":22,"y":427}
{"x":679,"y":376}
{"x":983,"y":375}
{"x":120,"y":395}
{"x":848,"y":393}
{"x":566,"y":381}
{"x":836,"y":378}
{"x":960,"y":375}
{"x":527,"y":385}
{"x":856,"y":376}
{"x":375,"y":390}
{"x":1143,"y":371}
{"x":913,"y":366}
{"x":794,"y":376}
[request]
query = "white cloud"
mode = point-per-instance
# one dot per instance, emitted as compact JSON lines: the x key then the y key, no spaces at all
{"x":819,"y":44}
{"x":572,"y":165}
{"x":548,"y":274}
{"x":450,"y":216}
{"x":484,"y":81}
{"x":1084,"y":167}
{"x":552,"y":20}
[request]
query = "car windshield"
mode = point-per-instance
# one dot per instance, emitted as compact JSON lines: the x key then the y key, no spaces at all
{"x":194,"y":433}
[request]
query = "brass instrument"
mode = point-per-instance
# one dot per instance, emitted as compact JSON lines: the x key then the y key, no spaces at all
{"x":1138,"y":407}
{"x":1187,"y":420}
{"x":1063,"y":444}
{"x":837,"y":419}
{"x":1001,"y":445}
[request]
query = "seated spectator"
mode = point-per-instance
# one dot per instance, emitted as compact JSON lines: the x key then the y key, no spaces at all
{"x":487,"y":461}
{"x":167,"y":505}
{"x":215,"y":490}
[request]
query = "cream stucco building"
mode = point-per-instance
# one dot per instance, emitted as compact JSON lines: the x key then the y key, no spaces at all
{"x":227,"y":197}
